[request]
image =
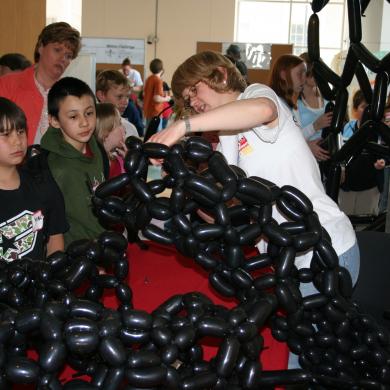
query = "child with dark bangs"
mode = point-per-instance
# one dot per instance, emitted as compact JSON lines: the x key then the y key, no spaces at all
{"x":32,"y":213}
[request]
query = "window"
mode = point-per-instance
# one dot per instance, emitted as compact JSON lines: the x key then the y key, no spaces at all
{"x":64,"y":11}
{"x":286,"y":21}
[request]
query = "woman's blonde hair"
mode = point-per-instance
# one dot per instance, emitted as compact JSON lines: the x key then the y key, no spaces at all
{"x":284,"y":87}
{"x":208,"y":67}
{"x":107,"y":118}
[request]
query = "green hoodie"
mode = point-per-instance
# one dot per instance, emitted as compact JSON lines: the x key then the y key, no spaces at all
{"x":76,"y":174}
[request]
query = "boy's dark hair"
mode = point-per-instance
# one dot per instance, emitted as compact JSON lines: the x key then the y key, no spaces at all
{"x":156,"y":66}
{"x":106,"y":79}
{"x":11,"y":116}
{"x":15,"y":61}
{"x":67,"y":86}
{"x":61,"y":32}
{"x":357,"y":99}
{"x":126,"y":61}
{"x":234,"y":51}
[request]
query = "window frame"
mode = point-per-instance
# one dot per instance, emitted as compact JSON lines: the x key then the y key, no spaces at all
{"x":298,"y":48}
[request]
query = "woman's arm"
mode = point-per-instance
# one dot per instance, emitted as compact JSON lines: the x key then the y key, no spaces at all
{"x":55,"y":243}
{"x":238,"y":115}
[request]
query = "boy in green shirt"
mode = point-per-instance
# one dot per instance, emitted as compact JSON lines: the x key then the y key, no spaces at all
{"x":74,"y":156}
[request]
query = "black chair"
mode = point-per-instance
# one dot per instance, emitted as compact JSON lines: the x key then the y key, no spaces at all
{"x":372,"y":290}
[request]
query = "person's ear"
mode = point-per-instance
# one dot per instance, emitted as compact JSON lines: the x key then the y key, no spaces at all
{"x":101,"y":96}
{"x":53,"y":121}
{"x":223,"y":70}
{"x":283,"y":75}
{"x":40,"y":50}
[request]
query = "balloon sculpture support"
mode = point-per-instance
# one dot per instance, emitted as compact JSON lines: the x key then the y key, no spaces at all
{"x":45,"y":310}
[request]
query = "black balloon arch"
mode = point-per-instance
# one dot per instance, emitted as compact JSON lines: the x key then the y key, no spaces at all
{"x":358,"y":57}
{"x":44,"y":310}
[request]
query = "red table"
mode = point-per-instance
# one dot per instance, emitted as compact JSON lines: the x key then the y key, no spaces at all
{"x":160,"y":272}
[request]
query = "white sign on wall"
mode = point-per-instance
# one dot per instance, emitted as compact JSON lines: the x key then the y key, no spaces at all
{"x":255,"y":55}
{"x":115,"y":50}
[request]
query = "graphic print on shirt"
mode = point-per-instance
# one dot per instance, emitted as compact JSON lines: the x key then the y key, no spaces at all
{"x":19,"y":234}
{"x":244,"y":147}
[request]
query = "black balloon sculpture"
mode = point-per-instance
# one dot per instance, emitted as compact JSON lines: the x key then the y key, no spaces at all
{"x":54,"y":308}
{"x":357,"y":56}
{"x":327,"y":330}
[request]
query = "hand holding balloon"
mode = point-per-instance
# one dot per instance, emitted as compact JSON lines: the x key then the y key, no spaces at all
{"x":170,"y":135}
{"x":323,"y":121}
{"x":319,"y":153}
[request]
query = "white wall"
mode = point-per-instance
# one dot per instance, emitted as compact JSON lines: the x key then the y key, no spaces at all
{"x":385,"y":31}
{"x":371,"y":25}
{"x":181,"y":23}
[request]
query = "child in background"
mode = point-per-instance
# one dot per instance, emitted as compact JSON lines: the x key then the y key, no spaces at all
{"x":359,"y":104}
{"x":111,"y":134}
{"x":359,"y":193}
{"x":74,"y":156}
{"x":153,"y":94}
{"x":288,"y":78}
{"x":384,"y":196}
{"x":169,"y":111}
{"x":133,"y":114}
{"x":311,"y":106}
{"x":13,"y":62}
{"x":113,"y":87}
{"x":32,"y":216}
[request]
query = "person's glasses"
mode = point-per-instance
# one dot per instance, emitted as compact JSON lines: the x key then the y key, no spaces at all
{"x":192,"y":92}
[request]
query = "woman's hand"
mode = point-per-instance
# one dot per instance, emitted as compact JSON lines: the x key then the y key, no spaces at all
{"x":170,"y":135}
{"x":323,"y":121}
{"x":319,"y":153}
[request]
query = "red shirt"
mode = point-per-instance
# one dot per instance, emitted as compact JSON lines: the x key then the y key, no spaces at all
{"x":21,"y":89}
{"x":116,"y":167}
{"x":153,"y":86}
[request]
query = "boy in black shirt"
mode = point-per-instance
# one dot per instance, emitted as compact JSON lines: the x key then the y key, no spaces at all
{"x":32,"y":215}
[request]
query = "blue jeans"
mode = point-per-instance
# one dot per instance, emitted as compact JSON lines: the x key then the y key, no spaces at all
{"x":349,"y":260}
